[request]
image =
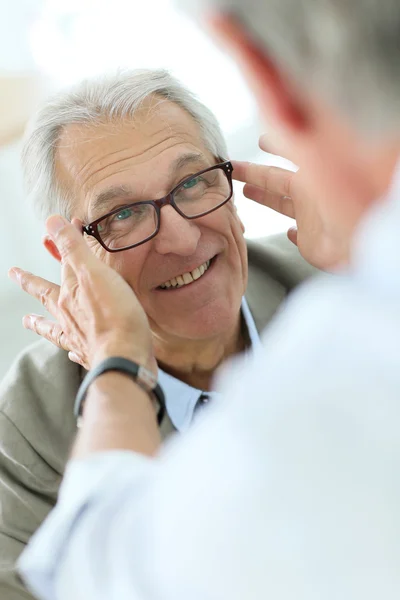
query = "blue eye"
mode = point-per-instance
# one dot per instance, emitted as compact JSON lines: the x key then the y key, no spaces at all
{"x":191,"y":183}
{"x":123,"y":214}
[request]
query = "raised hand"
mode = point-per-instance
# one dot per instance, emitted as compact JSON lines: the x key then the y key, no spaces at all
{"x":285,"y":192}
{"x":96,"y":312}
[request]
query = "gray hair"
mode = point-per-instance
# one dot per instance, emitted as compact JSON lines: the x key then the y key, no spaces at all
{"x":112,"y":97}
{"x":347,"y":50}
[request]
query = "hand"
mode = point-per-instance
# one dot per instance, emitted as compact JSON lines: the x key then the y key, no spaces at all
{"x":270,"y":186}
{"x":286,"y":192}
{"x":97,"y":313}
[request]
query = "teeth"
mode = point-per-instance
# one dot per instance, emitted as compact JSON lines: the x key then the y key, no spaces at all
{"x":196,"y":273}
{"x":186,"y":278}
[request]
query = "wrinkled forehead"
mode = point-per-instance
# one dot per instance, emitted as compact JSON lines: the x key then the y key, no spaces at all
{"x":144,"y":155}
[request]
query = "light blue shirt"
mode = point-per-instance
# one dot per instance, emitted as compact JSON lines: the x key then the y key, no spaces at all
{"x":181,"y":399}
{"x":291,"y":490}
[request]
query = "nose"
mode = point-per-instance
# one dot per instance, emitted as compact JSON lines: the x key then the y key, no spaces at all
{"x":177,"y":235}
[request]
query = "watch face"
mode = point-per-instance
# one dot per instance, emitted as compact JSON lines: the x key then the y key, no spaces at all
{"x":147,"y":378}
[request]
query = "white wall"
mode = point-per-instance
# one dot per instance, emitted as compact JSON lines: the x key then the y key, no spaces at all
{"x":20,"y":245}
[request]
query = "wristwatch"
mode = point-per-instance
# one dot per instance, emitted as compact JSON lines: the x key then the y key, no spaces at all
{"x":142,"y":376}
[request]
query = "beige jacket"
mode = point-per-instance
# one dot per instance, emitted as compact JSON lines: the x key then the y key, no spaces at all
{"x":37,"y":427}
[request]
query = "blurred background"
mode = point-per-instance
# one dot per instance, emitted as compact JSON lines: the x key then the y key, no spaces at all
{"x":49,"y":44}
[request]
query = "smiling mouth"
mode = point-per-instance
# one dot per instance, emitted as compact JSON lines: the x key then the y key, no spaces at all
{"x":187,"y":278}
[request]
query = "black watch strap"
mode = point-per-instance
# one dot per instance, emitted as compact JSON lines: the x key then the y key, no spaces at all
{"x":142,"y":376}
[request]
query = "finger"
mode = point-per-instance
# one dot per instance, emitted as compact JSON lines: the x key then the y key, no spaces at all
{"x":252,"y":192}
{"x":70,"y":242}
{"x":69,"y":281}
{"x":273,"y":179}
{"x":45,"y":291}
{"x":292,"y":235}
{"x":73,"y":357}
{"x":281,"y":204}
{"x":77,"y":359}
{"x":272,"y":144}
{"x":50,"y":330}
{"x":267,"y":142}
{"x":68,"y":276}
{"x":264,"y":143}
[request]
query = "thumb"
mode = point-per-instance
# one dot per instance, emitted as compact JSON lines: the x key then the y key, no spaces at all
{"x":69,"y":241}
{"x":77,"y":223}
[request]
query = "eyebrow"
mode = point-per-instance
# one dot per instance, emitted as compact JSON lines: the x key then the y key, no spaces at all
{"x":123,"y":192}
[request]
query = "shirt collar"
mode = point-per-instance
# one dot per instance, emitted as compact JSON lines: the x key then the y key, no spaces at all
{"x":181,"y":398}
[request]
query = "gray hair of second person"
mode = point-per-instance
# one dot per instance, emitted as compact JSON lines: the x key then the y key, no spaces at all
{"x":114,"y":97}
{"x":347,"y":50}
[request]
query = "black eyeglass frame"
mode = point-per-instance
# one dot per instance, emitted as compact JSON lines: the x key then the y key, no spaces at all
{"x":92,"y":228}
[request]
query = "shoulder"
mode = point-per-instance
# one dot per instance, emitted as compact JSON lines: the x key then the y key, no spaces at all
{"x":333,"y":347}
{"x":281,"y":259}
{"x":36,"y":397}
{"x":36,"y":432}
{"x":275,"y":269}
{"x":335,"y":331}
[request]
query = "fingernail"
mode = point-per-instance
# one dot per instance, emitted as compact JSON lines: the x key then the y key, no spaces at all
{"x":55,"y":224}
{"x":27,"y":322}
{"x":14,"y":274}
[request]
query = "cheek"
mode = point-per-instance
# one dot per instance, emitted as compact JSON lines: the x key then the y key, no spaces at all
{"x":98,"y":250}
{"x":225,"y":221}
{"x":237,"y":221}
{"x":237,"y":229}
{"x":236,"y":226}
{"x":228,"y":224}
{"x":129,"y":264}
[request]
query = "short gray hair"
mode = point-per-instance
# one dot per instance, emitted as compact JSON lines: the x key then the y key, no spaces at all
{"x":112,"y":97}
{"x":347,"y":50}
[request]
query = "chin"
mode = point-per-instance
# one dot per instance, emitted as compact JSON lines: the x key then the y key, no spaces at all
{"x":211,"y":321}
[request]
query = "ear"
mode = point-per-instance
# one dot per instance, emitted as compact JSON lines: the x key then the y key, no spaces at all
{"x":51,"y":247}
{"x":277,"y":101}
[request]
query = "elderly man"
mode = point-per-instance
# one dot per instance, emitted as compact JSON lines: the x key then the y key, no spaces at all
{"x":107,"y":152}
{"x":290,"y":487}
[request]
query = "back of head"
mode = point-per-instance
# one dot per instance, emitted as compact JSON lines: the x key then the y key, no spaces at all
{"x":115,"y":97}
{"x":347,"y":50}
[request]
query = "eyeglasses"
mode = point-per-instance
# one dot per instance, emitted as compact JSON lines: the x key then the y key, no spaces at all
{"x":134,"y":224}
